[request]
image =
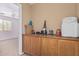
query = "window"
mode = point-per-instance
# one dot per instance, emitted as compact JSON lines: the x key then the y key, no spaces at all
{"x":1,"y":26}
{"x":5,"y":25}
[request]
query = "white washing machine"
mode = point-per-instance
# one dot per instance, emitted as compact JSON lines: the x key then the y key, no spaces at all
{"x":70,"y":27}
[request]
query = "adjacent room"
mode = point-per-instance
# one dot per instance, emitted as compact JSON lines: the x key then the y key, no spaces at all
{"x":9,"y":29}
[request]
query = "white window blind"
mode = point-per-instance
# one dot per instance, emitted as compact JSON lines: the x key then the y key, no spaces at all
{"x":5,"y":25}
{"x":1,"y":25}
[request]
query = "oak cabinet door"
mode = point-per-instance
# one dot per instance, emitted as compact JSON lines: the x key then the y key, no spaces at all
{"x":44,"y":46}
{"x":52,"y":47}
{"x":27,"y":44}
{"x":35,"y":46}
{"x":77,"y":49}
{"x":66,"y":48}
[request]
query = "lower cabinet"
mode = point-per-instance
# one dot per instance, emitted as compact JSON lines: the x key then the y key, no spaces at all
{"x":67,"y":48}
{"x":52,"y":46}
{"x":31,"y":45}
{"x":77,"y":49}
{"x":49,"y":47}
{"x":35,"y":46}
{"x":27,"y":44}
{"x":46,"y":46}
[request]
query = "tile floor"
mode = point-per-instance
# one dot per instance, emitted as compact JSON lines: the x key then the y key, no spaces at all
{"x":9,"y":47}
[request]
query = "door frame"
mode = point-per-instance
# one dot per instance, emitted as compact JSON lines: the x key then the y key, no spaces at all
{"x":20,"y":30}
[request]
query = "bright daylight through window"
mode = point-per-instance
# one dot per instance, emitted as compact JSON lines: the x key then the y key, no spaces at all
{"x":5,"y":25}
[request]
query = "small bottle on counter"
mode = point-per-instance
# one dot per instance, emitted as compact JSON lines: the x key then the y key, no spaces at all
{"x":58,"y":32}
{"x":44,"y":30}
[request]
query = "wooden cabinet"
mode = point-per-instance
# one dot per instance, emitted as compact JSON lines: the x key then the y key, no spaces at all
{"x":27,"y":44}
{"x":44,"y":44}
{"x":49,"y":46}
{"x":52,"y":47}
{"x":77,"y":49}
{"x":35,"y":46}
{"x":31,"y":45}
{"x":67,"y":48}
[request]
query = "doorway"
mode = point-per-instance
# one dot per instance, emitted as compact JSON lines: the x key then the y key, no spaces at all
{"x":11,"y":38}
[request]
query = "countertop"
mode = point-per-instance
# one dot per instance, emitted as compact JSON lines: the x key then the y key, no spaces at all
{"x":54,"y":37}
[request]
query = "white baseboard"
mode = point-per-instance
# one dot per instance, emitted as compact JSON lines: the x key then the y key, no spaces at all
{"x":20,"y":54}
{"x":9,"y":38}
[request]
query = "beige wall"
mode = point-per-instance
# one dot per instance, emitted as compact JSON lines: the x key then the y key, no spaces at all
{"x":53,"y":13}
{"x":77,"y":10}
{"x":26,"y":14}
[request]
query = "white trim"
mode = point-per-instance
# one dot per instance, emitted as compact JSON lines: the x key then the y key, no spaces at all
{"x":17,"y":4}
{"x":9,"y":38}
{"x":21,"y":54}
{"x":20,"y":31}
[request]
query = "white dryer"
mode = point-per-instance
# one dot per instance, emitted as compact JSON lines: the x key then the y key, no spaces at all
{"x":70,"y":27}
